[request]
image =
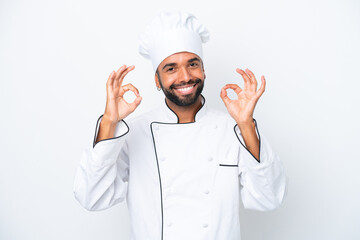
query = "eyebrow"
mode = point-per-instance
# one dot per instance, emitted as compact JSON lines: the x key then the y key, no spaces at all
{"x":194,"y":59}
{"x":169,"y":65}
{"x":174,"y":64}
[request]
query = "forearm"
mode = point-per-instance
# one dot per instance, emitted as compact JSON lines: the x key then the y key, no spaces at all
{"x":100,"y":181}
{"x":106,"y":130}
{"x":101,"y":178}
{"x":251,"y":140}
{"x":263,"y":183}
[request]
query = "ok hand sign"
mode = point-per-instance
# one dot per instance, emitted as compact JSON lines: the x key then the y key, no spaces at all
{"x":242,"y":108}
{"x":116,"y":106}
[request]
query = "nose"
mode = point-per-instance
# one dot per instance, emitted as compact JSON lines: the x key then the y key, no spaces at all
{"x":184,"y":74}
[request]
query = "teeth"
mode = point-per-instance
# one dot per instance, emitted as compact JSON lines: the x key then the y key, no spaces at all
{"x":185,"y":89}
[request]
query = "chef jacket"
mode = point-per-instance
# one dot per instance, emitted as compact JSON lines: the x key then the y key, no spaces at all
{"x":180,"y":180}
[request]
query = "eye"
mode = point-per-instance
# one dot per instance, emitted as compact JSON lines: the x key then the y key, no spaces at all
{"x":193,"y":64}
{"x":170,"y":69}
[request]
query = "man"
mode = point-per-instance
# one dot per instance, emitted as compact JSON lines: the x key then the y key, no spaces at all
{"x":183,"y":166}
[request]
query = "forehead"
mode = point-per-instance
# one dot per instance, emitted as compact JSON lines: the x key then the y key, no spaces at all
{"x":178,"y":58}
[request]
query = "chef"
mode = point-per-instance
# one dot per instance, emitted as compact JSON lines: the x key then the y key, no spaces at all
{"x":182,"y":167}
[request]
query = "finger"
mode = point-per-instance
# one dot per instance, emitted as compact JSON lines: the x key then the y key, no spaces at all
{"x":123,"y":74}
{"x":234,"y":87}
{"x":252,"y":78}
{"x":246,"y":78}
{"x":135,"y":103}
{"x":262,"y":87}
{"x":114,"y":83}
{"x":224,"y":96}
{"x":110,"y":82}
{"x":130,"y":87}
{"x":111,"y":77}
{"x":119,"y":71}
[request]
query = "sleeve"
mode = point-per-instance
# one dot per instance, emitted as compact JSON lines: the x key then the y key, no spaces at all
{"x":101,"y":179}
{"x":263,"y":182}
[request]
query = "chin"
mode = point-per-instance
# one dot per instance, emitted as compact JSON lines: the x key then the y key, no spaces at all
{"x":184,"y":100}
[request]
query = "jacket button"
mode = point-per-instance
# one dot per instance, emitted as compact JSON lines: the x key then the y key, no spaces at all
{"x":205,"y":225}
{"x":169,"y":224}
{"x":210,"y":159}
{"x":162,"y":159}
{"x":215,"y":127}
{"x":206,"y":191}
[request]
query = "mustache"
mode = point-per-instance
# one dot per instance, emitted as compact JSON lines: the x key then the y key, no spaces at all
{"x":196,"y":81}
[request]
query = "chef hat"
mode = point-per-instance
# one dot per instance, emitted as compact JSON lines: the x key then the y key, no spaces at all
{"x":170,"y":33}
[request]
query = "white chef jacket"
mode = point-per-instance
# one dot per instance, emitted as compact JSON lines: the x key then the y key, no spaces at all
{"x":180,"y":180}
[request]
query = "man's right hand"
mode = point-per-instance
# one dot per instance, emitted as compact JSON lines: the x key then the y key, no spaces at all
{"x":117,"y":108}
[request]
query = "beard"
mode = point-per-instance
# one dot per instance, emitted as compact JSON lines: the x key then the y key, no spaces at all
{"x":186,"y":100}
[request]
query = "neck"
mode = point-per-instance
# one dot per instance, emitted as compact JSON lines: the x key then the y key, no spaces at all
{"x":185,"y":114}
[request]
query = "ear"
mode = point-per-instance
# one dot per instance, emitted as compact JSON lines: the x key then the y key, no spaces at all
{"x":157,"y":81}
{"x":203,"y":69}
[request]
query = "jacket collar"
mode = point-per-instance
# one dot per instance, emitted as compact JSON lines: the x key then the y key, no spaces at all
{"x":171,"y":117}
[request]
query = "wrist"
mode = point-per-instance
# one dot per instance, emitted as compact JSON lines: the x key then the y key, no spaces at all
{"x":106,"y":120}
{"x":246,"y":123}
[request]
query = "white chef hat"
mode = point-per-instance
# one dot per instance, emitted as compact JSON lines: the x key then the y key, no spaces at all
{"x":170,"y":33}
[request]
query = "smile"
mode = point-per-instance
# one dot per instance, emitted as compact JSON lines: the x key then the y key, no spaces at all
{"x":186,"y":89}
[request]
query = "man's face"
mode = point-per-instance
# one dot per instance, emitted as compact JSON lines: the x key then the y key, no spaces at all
{"x":181,"y":77}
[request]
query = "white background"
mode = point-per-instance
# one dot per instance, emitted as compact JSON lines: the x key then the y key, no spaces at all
{"x":55,"y":58}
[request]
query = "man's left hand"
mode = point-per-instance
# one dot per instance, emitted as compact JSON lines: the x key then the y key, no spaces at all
{"x":242,"y":108}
